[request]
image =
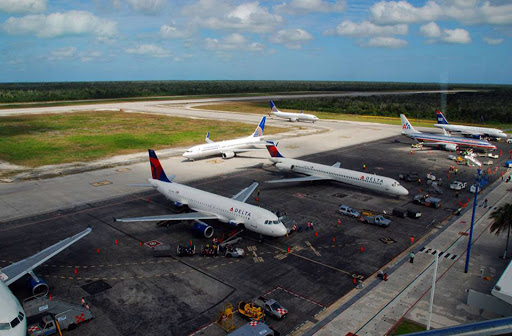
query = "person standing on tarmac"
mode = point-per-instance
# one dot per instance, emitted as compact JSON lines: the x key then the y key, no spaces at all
{"x":411,"y":257}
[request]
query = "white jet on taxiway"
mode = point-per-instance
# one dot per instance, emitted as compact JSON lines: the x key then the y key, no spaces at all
{"x":290,"y":115}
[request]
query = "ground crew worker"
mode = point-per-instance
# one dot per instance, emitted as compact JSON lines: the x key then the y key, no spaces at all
{"x":411,"y":257}
{"x":339,"y":222}
{"x":364,"y":166}
{"x":412,"y":240}
{"x":419,"y":181}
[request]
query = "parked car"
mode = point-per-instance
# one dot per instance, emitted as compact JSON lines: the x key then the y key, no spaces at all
{"x":378,"y":220}
{"x":234,"y":252}
{"x":428,"y":201}
{"x":457,"y":185}
{"x":348,"y":211}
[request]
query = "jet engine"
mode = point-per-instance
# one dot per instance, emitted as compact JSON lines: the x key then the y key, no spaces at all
{"x":38,"y":286}
{"x":228,"y":155}
{"x":285,"y":166}
{"x":203,"y":229}
{"x":450,"y":147}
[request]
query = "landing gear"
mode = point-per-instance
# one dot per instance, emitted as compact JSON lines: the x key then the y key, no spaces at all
{"x":260,"y":240}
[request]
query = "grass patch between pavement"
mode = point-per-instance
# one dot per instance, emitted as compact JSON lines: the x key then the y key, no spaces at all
{"x":37,"y":140}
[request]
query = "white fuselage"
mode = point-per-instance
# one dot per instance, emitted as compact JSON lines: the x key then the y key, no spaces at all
{"x":222,"y":147}
{"x":295,"y":116}
{"x":226,"y":210}
{"x":10,"y":309}
{"x":493,"y":132}
{"x":359,"y":179}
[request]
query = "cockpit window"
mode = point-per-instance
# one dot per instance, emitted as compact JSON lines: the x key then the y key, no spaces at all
{"x":15,"y":322}
{"x":21,"y":316}
{"x":5,"y":326}
{"x":276,"y":222}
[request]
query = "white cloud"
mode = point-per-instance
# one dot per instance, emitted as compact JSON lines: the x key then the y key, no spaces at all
{"x":366,"y":28}
{"x":170,"y":31}
{"x":233,"y":41}
{"x":226,"y":15}
{"x":59,"y":24}
{"x":91,"y":56}
{"x":152,"y":50}
{"x":468,"y":12}
{"x":22,"y":6}
{"x":458,"y":36}
{"x":291,"y":38}
{"x":430,"y":30}
{"x":493,"y":41}
{"x":148,"y":6}
{"x":385,"y":42}
{"x":310,"y":6}
{"x":62,"y":54}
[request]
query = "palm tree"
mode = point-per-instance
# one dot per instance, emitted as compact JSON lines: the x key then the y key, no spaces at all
{"x":502,"y":221}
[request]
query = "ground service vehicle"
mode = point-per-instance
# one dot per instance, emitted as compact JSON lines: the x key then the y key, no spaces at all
{"x":182,"y":250}
{"x":251,"y":311}
{"x":428,"y":201}
{"x":508,"y":164}
{"x":254,"y":329}
{"x":271,"y":307}
{"x":348,"y":211}
{"x":457,"y":185}
{"x":234,"y":252}
{"x":409,"y":177}
{"x":378,"y":220}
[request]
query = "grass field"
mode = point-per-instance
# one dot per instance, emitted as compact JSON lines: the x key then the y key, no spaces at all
{"x":407,"y":327}
{"x":38,"y":140}
{"x":263,"y":108}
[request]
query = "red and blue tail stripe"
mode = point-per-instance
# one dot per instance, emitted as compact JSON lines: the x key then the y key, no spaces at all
{"x":157,"y":172}
{"x":272,"y":149}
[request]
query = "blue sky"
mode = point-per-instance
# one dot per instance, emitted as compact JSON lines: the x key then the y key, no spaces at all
{"x":465,"y":41}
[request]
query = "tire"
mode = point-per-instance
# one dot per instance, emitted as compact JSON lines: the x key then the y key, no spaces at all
{"x":72,"y":326}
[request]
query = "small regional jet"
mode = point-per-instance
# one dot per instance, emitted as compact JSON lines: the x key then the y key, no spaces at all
{"x":233,"y":211}
{"x":290,"y":115}
{"x":228,"y":148}
{"x":469,"y":131}
{"x":318,"y":172}
{"x":446,"y":141}
{"x":13,"y":321}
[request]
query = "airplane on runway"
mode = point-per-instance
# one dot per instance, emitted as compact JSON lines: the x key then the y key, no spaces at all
{"x":13,"y":321}
{"x":446,"y":142}
{"x":318,"y":172}
{"x":228,"y":148}
{"x":471,"y":131}
{"x":233,"y":211}
{"x":290,"y":115}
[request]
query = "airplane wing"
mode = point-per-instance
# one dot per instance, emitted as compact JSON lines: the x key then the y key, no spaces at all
{"x":300,"y":179}
{"x":244,"y":194}
{"x":176,"y":217}
{"x":15,"y":271}
{"x":336,"y":165}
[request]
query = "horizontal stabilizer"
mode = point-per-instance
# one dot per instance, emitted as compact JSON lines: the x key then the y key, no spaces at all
{"x":300,"y":179}
{"x":177,"y":217}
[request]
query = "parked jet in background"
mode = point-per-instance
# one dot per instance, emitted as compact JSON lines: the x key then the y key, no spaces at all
{"x":12,"y":316}
{"x":446,"y":142}
{"x":291,"y":116}
{"x":318,"y":172}
{"x":233,"y":211}
{"x":228,"y":148}
{"x":472,"y":131}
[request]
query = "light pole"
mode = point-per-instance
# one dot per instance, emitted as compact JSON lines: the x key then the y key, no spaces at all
{"x":432,"y":291}
{"x":470,"y":241}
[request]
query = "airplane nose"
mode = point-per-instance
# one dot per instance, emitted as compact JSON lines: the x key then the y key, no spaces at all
{"x":404,"y":192}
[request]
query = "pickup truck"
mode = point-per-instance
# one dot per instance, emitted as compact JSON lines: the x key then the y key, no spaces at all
{"x":378,"y":220}
{"x":271,"y":307}
{"x":457,"y":185}
{"x":428,"y":201}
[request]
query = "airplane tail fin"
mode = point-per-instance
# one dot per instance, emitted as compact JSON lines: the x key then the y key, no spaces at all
{"x":207,"y":139}
{"x":406,"y":125}
{"x":157,"y":172}
{"x":440,"y":118}
{"x":273,"y":107}
{"x":272,"y":149}
{"x":258,"y":132}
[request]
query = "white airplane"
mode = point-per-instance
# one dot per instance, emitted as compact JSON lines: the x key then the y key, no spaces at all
{"x":233,"y":211}
{"x":445,"y":141}
{"x":290,"y":115}
{"x":472,"y":131}
{"x":13,"y":321}
{"x":319,"y":172}
{"x":228,"y":148}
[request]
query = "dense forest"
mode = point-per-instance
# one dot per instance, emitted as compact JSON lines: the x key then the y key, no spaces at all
{"x":39,"y":92}
{"x":471,"y":107}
